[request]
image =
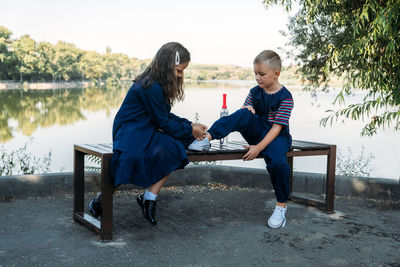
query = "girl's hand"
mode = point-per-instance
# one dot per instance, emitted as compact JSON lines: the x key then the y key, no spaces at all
{"x":252,"y":153}
{"x":202,"y":125}
{"x":250,"y":108}
{"x":199,"y":131}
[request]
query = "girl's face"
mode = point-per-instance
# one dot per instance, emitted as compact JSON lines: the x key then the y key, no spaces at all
{"x":179,"y":69}
{"x":265,"y":76}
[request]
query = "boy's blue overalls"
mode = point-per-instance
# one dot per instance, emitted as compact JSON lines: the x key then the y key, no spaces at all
{"x":254,"y":127}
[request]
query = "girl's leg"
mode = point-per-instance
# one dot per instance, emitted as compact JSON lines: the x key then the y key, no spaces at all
{"x":155,"y":188}
{"x":95,"y":208}
{"x":148,"y":200}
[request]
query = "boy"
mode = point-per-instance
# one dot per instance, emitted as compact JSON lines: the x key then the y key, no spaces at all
{"x":263,"y":121}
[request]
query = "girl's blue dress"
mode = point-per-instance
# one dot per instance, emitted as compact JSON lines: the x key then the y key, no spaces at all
{"x":148,"y":140}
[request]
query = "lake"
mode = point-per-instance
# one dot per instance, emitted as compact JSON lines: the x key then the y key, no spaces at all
{"x":55,"y":120}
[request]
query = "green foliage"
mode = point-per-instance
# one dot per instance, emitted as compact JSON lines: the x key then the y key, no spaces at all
{"x":214,"y":72}
{"x":355,"y":167}
{"x":358,"y":41}
{"x":24,"y":59}
{"x":20,"y":161}
{"x":6,"y":60}
{"x":95,"y":160}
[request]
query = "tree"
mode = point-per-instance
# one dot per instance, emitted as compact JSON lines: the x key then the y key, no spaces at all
{"x":90,"y":65}
{"x":357,"y":40}
{"x":5,"y":53}
{"x":25,"y":51}
{"x":46,"y":57}
{"x":67,"y":57}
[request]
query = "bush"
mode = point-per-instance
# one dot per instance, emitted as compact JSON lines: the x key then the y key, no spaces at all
{"x":20,"y":161}
{"x":354,"y":167}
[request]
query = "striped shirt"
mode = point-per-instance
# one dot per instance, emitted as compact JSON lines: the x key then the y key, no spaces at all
{"x":273,"y":108}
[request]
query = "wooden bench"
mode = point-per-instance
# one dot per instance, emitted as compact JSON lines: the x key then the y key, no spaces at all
{"x":230,"y":151}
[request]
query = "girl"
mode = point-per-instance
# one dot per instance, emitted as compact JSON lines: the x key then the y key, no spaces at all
{"x":149,"y":141}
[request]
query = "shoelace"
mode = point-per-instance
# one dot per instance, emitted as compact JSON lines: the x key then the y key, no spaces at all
{"x":281,"y":213}
{"x":151,"y":206}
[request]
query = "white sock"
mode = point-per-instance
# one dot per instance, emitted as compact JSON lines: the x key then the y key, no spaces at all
{"x":149,"y":195}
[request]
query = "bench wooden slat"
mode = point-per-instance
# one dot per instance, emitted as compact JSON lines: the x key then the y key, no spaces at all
{"x":306,"y":145}
{"x":231,"y":147}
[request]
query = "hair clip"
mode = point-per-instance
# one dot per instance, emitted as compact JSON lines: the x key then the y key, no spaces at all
{"x":177,"y":59}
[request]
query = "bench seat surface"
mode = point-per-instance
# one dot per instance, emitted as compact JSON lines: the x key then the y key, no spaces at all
{"x":216,"y":148}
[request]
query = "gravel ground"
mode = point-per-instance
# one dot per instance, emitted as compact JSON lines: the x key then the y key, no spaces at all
{"x":205,"y":225}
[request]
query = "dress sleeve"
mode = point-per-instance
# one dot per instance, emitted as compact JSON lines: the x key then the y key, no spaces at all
{"x":160,"y":115}
{"x":283,"y":114}
{"x":179,"y":119}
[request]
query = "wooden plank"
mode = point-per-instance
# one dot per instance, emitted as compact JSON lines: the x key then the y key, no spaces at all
{"x":308,"y":201}
{"x":87,"y":220}
{"x":230,"y":147}
{"x":107,"y":147}
{"x":91,"y":150}
{"x":297,"y":144}
{"x":301,"y":153}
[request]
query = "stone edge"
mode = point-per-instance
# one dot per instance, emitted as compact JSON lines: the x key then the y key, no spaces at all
{"x":307,"y":183}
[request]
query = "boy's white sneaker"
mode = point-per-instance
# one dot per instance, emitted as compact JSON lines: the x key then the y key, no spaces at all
{"x":202,"y":145}
{"x":278,"y":218}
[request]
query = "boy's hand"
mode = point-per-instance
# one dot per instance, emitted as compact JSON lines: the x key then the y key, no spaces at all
{"x":250,"y":108}
{"x":199,"y":131}
{"x":252,"y":153}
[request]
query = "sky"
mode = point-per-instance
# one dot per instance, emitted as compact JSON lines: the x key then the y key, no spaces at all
{"x":214,"y":31}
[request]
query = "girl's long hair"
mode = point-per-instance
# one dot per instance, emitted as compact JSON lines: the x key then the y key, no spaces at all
{"x":162,"y":71}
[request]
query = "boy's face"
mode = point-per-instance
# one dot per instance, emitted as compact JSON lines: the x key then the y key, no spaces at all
{"x":265,"y":76}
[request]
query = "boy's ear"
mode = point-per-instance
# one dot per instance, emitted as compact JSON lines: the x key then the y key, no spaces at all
{"x":277,"y":73}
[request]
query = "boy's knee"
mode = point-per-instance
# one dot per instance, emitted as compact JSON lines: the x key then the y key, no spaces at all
{"x":244,"y":113}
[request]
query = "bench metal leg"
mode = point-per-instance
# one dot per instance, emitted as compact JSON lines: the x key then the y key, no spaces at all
{"x":330,"y":180}
{"x":328,"y":204}
{"x":106,"y":199}
{"x":103,"y":227}
{"x":79,"y":183}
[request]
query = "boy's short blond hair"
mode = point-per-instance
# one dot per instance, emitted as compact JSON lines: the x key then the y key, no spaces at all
{"x":270,"y":58}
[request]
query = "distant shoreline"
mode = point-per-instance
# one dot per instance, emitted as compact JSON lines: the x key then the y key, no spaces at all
{"x":13,"y":85}
{"x":8,"y":85}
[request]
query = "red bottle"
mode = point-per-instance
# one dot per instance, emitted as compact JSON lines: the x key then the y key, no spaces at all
{"x":223,"y":112}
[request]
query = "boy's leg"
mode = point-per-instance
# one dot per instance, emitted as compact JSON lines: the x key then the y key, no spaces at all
{"x":278,"y":167}
{"x":279,"y":170}
{"x":242,"y":121}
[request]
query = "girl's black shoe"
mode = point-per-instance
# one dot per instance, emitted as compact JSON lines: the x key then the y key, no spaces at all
{"x":95,"y":206}
{"x":148,"y":209}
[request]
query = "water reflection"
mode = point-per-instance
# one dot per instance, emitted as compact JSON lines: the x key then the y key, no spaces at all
{"x":24,"y":111}
{"x":57,"y":119}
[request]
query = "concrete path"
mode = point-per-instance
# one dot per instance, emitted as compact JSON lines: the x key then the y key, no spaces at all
{"x":210,"y":225}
